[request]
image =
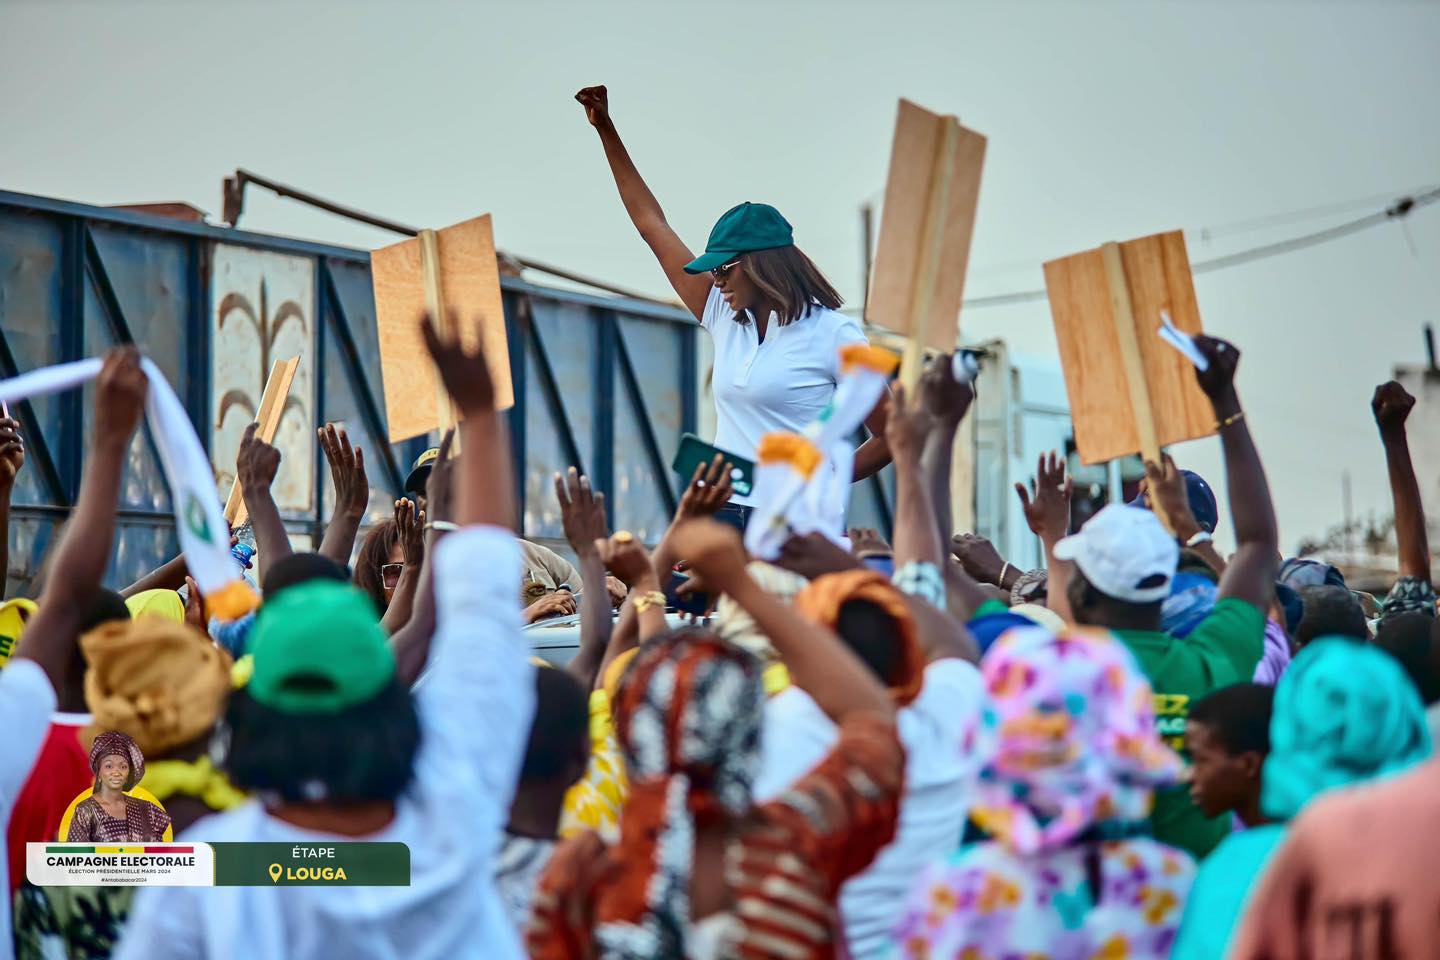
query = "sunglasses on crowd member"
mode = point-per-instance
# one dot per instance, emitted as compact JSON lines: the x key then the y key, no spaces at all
{"x":722,"y":271}
{"x":390,"y":574}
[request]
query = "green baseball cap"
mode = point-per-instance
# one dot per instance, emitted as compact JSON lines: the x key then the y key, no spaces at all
{"x":750,"y":226}
{"x":319,"y":648}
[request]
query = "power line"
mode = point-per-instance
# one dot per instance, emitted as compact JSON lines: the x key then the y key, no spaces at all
{"x":1396,"y":211}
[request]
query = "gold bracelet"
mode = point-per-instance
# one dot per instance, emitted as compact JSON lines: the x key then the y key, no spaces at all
{"x":1231,"y":420}
{"x":646,"y":601}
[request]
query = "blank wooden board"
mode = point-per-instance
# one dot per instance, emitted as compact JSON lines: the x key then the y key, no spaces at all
{"x":1157,"y":275}
{"x":470,"y":281}
{"x":914,"y":163}
{"x":272,"y":406}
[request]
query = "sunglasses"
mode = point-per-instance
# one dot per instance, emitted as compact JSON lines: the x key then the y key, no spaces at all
{"x":390,"y":574}
{"x":722,"y":271}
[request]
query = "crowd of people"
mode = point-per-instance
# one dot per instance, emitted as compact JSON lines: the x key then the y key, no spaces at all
{"x":858,"y":749}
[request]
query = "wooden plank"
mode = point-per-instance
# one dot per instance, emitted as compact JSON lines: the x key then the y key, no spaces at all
{"x":469,"y":277}
{"x":1157,"y":277}
{"x":896,"y":299}
{"x":272,"y":405}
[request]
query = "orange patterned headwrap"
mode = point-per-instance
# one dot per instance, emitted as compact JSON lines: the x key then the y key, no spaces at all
{"x":821,"y":601}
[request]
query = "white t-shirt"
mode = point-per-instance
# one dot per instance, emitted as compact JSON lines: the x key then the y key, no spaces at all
{"x":475,"y":712}
{"x":781,"y":384}
{"x":939,"y":779}
{"x":26,"y":702}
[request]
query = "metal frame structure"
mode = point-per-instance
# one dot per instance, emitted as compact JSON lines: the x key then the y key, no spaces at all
{"x":583,"y":396}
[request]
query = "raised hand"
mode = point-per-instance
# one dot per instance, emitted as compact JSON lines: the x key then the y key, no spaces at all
{"x":119,"y":395}
{"x":410,"y":521}
{"x":596,"y":101}
{"x":1391,"y":405}
{"x":1218,"y":379}
{"x":709,"y":490}
{"x":1165,"y":487}
{"x":978,"y":557}
{"x":12,"y":452}
{"x":713,"y":550}
{"x":1047,"y":502}
{"x":257,"y":462}
{"x":347,"y":470}
{"x":627,"y":558}
{"x":582,"y":512}
{"x":466,"y":375}
{"x":814,"y":555}
{"x":944,"y":397}
{"x":194,"y":605}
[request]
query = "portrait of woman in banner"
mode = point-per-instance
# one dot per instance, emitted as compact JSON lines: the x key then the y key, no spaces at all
{"x":110,"y":814}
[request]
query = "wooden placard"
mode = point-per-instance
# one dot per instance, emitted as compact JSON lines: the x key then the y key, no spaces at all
{"x":272,"y":405}
{"x":925,"y":228}
{"x":468,"y":284}
{"x":1130,"y":392}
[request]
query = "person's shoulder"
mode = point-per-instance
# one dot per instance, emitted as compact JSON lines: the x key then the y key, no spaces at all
{"x":1234,"y":611}
{"x":242,"y":823}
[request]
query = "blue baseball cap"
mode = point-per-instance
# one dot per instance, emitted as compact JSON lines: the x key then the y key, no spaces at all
{"x":1202,"y":501}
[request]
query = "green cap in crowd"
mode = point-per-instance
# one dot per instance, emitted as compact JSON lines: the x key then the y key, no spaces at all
{"x":319,"y":648}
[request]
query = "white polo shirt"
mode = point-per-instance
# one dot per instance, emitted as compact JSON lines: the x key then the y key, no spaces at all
{"x":781,"y":384}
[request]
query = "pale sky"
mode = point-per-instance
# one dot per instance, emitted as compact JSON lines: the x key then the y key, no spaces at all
{"x":1106,"y":120}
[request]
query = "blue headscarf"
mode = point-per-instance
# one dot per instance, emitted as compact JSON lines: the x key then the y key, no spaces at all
{"x":1344,"y":712}
{"x":1192,"y":597}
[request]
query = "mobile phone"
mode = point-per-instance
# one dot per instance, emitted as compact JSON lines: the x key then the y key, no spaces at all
{"x":694,"y":451}
{"x":697,"y":604}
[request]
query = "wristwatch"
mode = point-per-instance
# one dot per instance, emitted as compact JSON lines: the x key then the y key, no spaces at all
{"x":1202,"y":536}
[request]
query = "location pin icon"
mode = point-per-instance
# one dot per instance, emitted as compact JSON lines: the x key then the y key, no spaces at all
{"x":275,"y":871}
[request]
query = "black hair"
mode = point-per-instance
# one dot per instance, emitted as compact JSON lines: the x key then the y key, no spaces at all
{"x":300,"y":568}
{"x":1238,"y":716}
{"x":1330,"y":611}
{"x":1411,"y":638}
{"x":105,"y":606}
{"x":1193,"y":562}
{"x":1092,"y":606}
{"x":872,"y":634}
{"x":560,"y":733}
{"x":361,"y":754}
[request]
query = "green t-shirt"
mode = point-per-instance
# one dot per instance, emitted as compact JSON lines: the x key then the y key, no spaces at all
{"x":1222,"y":651}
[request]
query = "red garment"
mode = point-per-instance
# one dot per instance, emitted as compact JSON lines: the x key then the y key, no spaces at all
{"x":60,"y":774}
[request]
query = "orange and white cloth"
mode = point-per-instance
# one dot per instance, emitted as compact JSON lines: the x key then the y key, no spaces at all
{"x":802,"y":481}
{"x":199,"y":519}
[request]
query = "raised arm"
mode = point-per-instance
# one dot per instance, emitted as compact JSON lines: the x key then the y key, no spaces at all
{"x":1392,"y":405}
{"x":12,"y":458}
{"x":823,"y":666}
{"x":628,"y":559}
{"x":874,"y":454}
{"x":411,"y":642}
{"x":256,"y":466}
{"x":84,"y":553}
{"x":1047,"y":511}
{"x":478,"y":701}
{"x":170,"y":575}
{"x":947,"y":401}
{"x":1250,"y":575}
{"x":708,"y":490}
{"x":642,"y":206}
{"x":410,"y":522}
{"x":582,"y":514}
{"x":352,"y":493}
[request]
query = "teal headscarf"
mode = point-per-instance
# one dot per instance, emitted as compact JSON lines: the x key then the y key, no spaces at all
{"x":1344,"y":712}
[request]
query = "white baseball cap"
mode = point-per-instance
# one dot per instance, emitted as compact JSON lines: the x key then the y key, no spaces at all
{"x":1125,"y":553}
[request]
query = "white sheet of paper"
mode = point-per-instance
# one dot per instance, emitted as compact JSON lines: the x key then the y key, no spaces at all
{"x":1181,"y":341}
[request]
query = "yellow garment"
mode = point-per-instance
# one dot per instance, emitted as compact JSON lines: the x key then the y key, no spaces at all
{"x":168,"y":778}
{"x":14,"y":614}
{"x":162,"y":683}
{"x":157,"y":603}
{"x":138,"y":792}
{"x":241,"y":672}
{"x":595,"y":802}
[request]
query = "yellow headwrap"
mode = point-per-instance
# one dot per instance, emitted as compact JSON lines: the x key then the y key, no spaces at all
{"x":157,"y":603}
{"x":163,"y":683}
